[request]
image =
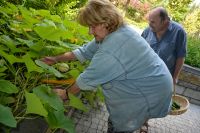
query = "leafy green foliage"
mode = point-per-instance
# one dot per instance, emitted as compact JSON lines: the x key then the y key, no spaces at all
{"x":52,"y":33}
{"x":136,"y":9}
{"x":192,"y":23}
{"x":193,"y":56}
{"x":178,"y":9}
{"x":57,"y":119}
{"x":49,"y":68}
{"x":76,"y":102}
{"x":34,"y":105}
{"x":47,"y":96}
{"x":6,"y":116}
{"x":26,"y":36}
{"x":7,"y":87}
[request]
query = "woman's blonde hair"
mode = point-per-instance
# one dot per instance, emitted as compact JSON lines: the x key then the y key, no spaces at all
{"x":100,"y":12}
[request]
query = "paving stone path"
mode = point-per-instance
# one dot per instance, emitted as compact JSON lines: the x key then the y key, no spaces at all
{"x":95,"y":121}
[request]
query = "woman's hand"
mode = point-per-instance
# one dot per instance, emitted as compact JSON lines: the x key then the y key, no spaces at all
{"x":62,"y":93}
{"x":50,"y":60}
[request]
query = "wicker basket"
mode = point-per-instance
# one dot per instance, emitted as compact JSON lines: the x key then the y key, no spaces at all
{"x":184,"y":103}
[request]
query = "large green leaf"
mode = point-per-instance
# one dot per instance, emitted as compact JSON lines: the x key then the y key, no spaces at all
{"x":68,"y":45}
{"x":6,"y":117}
{"x":49,"y":68}
{"x":12,"y":7}
{"x":2,"y":62}
{"x":28,"y":61}
{"x":32,"y":54}
{"x":7,"y":87}
{"x":9,"y":43}
{"x":38,"y":46}
{"x":51,"y":33}
{"x":16,"y":26}
{"x":34,"y":105}
{"x":57,"y":119}
{"x":10,"y":58}
{"x":47,"y":96}
{"x":7,"y":100}
{"x":70,"y":24}
{"x":29,"y":43}
{"x":82,"y":31}
{"x":30,"y":64}
{"x":2,"y":69}
{"x":76,"y":102}
{"x":28,"y":17}
{"x":56,"y":18}
{"x":8,"y":10}
{"x":74,"y":73}
{"x":47,"y":22}
{"x":2,"y":74}
{"x":99,"y":94}
{"x":43,"y":13}
{"x":55,"y":50}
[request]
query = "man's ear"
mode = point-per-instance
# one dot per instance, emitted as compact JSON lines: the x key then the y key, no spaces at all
{"x":163,"y":22}
{"x":166,"y":21}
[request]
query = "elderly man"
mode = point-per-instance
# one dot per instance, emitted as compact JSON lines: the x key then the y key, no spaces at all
{"x":168,"y":40}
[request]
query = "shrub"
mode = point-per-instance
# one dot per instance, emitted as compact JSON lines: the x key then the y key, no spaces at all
{"x":137,"y":10}
{"x":178,"y":9}
{"x":193,"y":55}
{"x":192,"y":23}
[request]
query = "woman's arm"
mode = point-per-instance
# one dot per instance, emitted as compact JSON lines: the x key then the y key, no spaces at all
{"x":74,"y":89}
{"x":50,"y":60}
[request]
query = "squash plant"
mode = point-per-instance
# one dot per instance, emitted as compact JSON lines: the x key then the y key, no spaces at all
{"x":26,"y":35}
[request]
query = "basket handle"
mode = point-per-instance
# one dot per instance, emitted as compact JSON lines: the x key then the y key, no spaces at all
{"x":174,"y":89}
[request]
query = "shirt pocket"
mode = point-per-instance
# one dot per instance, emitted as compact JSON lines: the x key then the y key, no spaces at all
{"x":167,"y":53}
{"x":167,"y":50}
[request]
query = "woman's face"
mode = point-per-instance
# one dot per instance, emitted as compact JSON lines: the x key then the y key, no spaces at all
{"x":98,"y":31}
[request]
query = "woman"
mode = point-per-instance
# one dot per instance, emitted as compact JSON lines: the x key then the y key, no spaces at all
{"x":136,"y":83}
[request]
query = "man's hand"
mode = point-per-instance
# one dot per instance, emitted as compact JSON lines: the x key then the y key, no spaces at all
{"x":178,"y":67}
{"x":175,"y":81}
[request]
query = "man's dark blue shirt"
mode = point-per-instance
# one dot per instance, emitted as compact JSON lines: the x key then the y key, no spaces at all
{"x":171,"y":46}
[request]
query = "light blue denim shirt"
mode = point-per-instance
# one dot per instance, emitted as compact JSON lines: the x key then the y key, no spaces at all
{"x":136,"y":83}
{"x":171,"y":46}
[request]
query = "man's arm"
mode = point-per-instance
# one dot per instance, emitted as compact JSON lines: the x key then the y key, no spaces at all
{"x":178,"y":67}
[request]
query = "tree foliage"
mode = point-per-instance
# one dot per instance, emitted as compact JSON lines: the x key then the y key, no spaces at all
{"x":192,"y":23}
{"x":178,"y":9}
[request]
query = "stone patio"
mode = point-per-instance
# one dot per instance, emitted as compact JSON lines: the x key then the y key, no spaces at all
{"x":95,"y":121}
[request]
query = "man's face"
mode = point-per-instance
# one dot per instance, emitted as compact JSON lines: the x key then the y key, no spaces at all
{"x":155,"y":22}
